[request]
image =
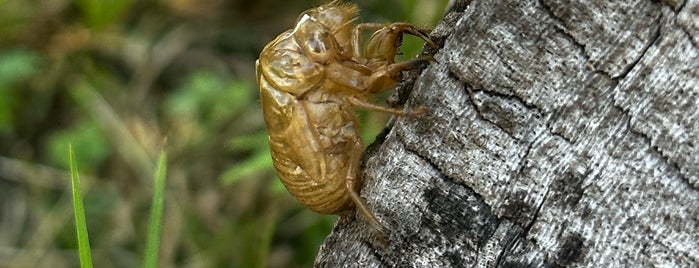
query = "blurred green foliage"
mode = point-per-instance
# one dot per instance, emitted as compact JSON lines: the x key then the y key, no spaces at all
{"x":120,"y":80}
{"x":97,"y":14}
{"x":209,"y":99}
{"x":88,"y":141}
{"x":15,"y":66}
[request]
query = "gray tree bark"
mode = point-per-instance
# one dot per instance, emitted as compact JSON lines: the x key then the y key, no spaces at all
{"x":560,"y":133}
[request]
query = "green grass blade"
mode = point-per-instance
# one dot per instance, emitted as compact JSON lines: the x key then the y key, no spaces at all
{"x":80,"y":224}
{"x":156,"y":214}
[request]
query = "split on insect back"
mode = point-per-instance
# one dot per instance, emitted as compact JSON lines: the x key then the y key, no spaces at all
{"x":311,"y":78}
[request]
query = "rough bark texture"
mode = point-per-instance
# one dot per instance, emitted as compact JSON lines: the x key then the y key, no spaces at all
{"x":560,"y":133}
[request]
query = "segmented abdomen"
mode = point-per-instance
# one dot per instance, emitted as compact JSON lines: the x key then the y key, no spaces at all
{"x":311,"y":146}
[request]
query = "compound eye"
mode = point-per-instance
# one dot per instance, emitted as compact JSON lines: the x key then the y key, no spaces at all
{"x":316,"y":42}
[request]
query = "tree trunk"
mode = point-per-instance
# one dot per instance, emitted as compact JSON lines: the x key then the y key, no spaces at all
{"x":558,"y":133}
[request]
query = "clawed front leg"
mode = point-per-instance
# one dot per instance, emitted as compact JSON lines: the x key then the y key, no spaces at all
{"x":374,"y":70}
{"x":362,"y":79}
{"x":357,"y":37}
{"x":384,"y":43}
{"x":387,"y":77}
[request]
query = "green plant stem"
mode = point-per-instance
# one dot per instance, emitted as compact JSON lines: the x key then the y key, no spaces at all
{"x":80,"y":224}
{"x":156,"y":215}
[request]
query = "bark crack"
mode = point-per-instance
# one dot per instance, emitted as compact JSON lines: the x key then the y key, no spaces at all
{"x":479,"y":114}
{"x":432,"y":164}
{"x":520,"y":168}
{"x":558,"y":134}
{"x":538,"y":210}
{"x":656,"y":35}
{"x":512,"y":97}
{"x":562,"y":29}
{"x":427,"y":160}
{"x":476,"y":108}
{"x":649,"y":143}
{"x":499,"y":244}
{"x":689,"y":36}
{"x":452,"y":71}
{"x":520,"y":236}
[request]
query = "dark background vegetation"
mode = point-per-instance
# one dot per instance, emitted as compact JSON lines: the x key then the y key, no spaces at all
{"x":123,"y":79}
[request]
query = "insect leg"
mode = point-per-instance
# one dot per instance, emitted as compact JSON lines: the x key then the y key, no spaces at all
{"x":384,"y":44}
{"x":352,"y":190}
{"x":357,"y":37}
{"x":405,"y":28}
{"x":370,"y":106}
{"x":387,"y":77}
